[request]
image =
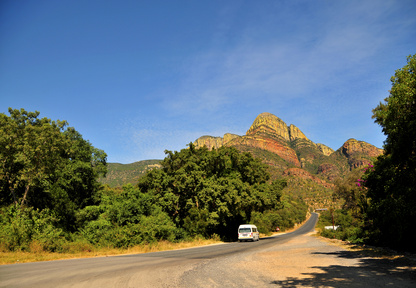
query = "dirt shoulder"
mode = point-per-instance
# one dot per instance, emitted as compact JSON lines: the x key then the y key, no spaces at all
{"x":304,"y":261}
{"x":313,"y":261}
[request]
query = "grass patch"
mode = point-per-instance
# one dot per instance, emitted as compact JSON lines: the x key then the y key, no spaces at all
{"x":39,"y":255}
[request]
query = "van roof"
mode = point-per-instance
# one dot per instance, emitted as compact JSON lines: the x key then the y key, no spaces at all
{"x":247,"y":225}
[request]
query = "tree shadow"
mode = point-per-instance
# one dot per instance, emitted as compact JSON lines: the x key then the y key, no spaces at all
{"x":396,"y":271}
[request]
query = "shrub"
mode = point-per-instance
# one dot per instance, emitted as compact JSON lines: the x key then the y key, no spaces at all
{"x":350,"y":228}
{"x":29,"y":229}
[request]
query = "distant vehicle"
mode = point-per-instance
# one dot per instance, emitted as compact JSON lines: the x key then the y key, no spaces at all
{"x":332,"y":227}
{"x":248,"y":232}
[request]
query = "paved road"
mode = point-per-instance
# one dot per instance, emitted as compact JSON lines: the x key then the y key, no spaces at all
{"x":161,"y":269}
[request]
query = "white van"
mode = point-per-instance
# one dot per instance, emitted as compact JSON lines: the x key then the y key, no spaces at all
{"x":248,"y":232}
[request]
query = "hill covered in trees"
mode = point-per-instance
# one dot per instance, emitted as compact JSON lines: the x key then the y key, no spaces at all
{"x":121,"y":174}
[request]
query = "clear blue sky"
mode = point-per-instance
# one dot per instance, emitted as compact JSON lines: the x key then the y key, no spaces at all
{"x":138,"y":77}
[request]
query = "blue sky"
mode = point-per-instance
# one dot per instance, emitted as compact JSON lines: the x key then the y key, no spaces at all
{"x":138,"y":77}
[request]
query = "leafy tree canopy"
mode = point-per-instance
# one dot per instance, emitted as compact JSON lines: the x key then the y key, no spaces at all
{"x":43,"y":164}
{"x":208,"y":192}
{"x":392,"y":183}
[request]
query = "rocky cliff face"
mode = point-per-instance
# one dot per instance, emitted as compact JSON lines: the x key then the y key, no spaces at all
{"x":295,"y":133}
{"x":324,"y":149}
{"x":359,"y":153}
{"x":267,"y":123}
{"x":271,"y":144}
{"x":214,"y":142}
{"x":354,"y":147}
{"x":270,"y":133}
{"x":267,"y":132}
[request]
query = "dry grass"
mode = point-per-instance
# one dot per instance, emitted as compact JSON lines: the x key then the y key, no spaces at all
{"x":38,"y":255}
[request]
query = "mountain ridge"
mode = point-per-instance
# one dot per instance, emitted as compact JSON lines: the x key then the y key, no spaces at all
{"x":309,"y":168}
{"x":270,"y":133}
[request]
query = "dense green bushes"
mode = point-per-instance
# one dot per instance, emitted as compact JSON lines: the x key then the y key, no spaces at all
{"x":126,"y":219}
{"x":349,"y":228}
{"x":21,"y":228}
{"x":292,"y":211}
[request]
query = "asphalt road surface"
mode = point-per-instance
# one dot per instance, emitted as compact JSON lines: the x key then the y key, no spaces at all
{"x":160,"y":269}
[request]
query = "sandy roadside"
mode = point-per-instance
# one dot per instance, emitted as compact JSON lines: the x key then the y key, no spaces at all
{"x":312,"y":261}
{"x":305,"y":261}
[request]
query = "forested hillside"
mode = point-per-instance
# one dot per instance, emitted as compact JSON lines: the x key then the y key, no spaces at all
{"x":121,"y":174}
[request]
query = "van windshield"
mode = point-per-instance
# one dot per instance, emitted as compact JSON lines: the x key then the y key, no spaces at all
{"x":244,"y":230}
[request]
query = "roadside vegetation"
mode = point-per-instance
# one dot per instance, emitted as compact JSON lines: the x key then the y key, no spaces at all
{"x":378,"y":202}
{"x":52,"y":202}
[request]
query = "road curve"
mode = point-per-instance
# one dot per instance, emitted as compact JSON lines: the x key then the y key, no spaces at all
{"x":138,"y":270}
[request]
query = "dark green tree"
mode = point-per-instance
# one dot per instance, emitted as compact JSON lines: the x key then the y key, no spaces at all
{"x":209,"y":192}
{"x":126,"y":218}
{"x":392,"y":183}
{"x":28,"y":153}
{"x":352,"y":193}
{"x":44,"y":165}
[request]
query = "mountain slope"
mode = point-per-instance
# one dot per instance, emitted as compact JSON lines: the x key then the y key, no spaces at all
{"x":120,"y":174}
{"x":309,"y":168}
{"x":269,"y":133}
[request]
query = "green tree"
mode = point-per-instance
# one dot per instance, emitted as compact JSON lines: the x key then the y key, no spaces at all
{"x":44,"y":165}
{"x":29,"y":153}
{"x":392,"y":183}
{"x":209,"y":192}
{"x":126,"y":218}
{"x":351,"y":194}
{"x":351,"y":191}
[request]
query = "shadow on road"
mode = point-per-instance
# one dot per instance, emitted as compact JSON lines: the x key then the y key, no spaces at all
{"x":370,"y":272}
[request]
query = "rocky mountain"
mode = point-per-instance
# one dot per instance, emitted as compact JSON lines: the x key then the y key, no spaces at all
{"x":271,"y":134}
{"x":290,"y":154}
{"x":214,"y":142}
{"x":310,"y":168}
